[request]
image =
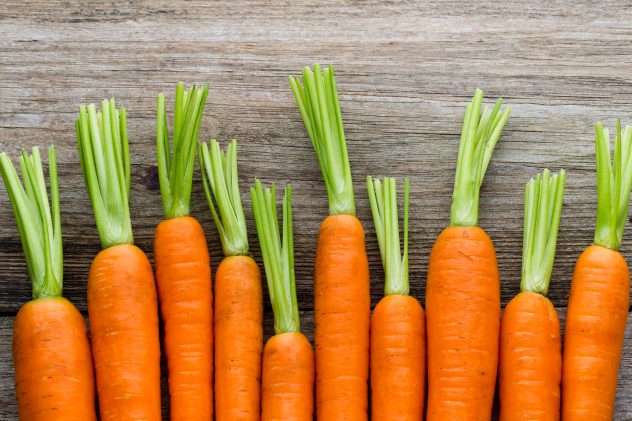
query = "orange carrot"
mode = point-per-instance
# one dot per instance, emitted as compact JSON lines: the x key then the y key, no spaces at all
{"x":54,"y":379}
{"x":122,"y":303}
{"x":238,"y":294}
{"x":288,"y":359}
{"x":530,"y":343}
{"x":463,"y":286}
{"x":398,"y":324}
{"x":341,"y":280}
{"x":600,"y":292}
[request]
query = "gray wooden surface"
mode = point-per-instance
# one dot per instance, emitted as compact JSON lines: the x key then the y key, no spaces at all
{"x":404,"y":70}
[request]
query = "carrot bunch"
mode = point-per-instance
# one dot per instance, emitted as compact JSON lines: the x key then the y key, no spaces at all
{"x":398,"y":324}
{"x":51,"y":351}
{"x":463,"y":286}
{"x":530,"y":342}
{"x":600,"y":292}
{"x":122,"y":302}
{"x":288,"y":359}
{"x":341,"y":281}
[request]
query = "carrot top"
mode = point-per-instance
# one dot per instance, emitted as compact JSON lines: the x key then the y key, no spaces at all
{"x":175,"y":163}
{"x":383,"y":199}
{"x":542,"y":209}
{"x":104,"y":156}
{"x":38,"y":221}
{"x":614,"y":181}
{"x":278,"y":255}
{"x":317,"y":100}
{"x":479,"y":136}
{"x":221,"y":187}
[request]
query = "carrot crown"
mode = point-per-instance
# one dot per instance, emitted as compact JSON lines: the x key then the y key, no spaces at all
{"x":542,"y":209}
{"x":176,"y":162}
{"x":278,"y":255}
{"x":479,"y":136}
{"x":317,"y":100}
{"x":38,"y":221}
{"x":614,"y":181}
{"x":221,"y":187}
{"x":383,"y":199}
{"x":104,"y":156}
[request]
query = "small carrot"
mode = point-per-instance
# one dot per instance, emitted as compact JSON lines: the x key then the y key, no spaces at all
{"x":54,"y":378}
{"x":342,"y":301}
{"x":183,"y":271}
{"x":287,"y":391}
{"x":463,"y":286}
{"x":398,"y":324}
{"x":600,"y":292}
{"x":122,"y":304}
{"x":238,"y":294}
{"x":530,"y":343}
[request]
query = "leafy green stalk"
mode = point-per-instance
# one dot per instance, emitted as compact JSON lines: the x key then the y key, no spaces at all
{"x":278,"y":255}
{"x":176,"y":162}
{"x":479,"y":135}
{"x":383,"y":199}
{"x":614,"y":181}
{"x":221,"y":187}
{"x":104,"y":156}
{"x":543,"y":197}
{"x":38,"y":222}
{"x":317,"y":100}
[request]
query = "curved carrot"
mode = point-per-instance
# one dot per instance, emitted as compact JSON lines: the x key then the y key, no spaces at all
{"x":54,"y":378}
{"x":530,"y":342}
{"x":183,"y":273}
{"x":398,"y":328}
{"x":341,"y":280}
{"x":463,"y":286}
{"x":600,"y":292}
{"x":122,"y":303}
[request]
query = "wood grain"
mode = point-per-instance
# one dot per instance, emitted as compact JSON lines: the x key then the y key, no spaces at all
{"x":404,"y":71}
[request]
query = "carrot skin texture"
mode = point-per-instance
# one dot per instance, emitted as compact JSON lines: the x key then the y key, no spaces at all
{"x":530,"y":360}
{"x":463,"y":325}
{"x":238,"y":339}
{"x":398,"y":359}
{"x":183,"y":278}
{"x":342,"y":314}
{"x":595,"y":326}
{"x":288,"y":378}
{"x":54,"y":378}
{"x":123,"y":311}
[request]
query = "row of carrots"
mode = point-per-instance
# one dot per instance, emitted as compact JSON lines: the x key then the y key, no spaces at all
{"x":217,"y":364}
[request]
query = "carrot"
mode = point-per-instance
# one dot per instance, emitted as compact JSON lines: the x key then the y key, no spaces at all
{"x":238,"y":294}
{"x":600,"y":292}
{"x":288,"y":359}
{"x":530,"y":343}
{"x":183,"y":271}
{"x":51,"y":352}
{"x":398,"y":324}
{"x":122,"y":304}
{"x":341,"y":280}
{"x":463,"y":286}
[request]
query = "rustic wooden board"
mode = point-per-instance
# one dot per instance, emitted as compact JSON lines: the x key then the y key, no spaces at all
{"x":404,"y":69}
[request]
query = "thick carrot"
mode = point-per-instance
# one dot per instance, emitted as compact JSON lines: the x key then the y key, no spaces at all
{"x":54,"y":378}
{"x":183,"y":272}
{"x":530,"y":342}
{"x":288,"y":360}
{"x":600,"y":292}
{"x":122,"y":303}
{"x":341,"y":280}
{"x":463,"y":286}
{"x":398,"y":324}
{"x":238,"y":294}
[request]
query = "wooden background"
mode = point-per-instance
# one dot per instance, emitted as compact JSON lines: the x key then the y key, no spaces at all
{"x":404,"y":70}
